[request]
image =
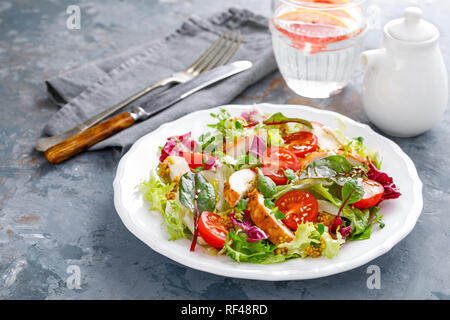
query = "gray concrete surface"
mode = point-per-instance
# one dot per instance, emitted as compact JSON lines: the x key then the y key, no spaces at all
{"x":52,"y":217}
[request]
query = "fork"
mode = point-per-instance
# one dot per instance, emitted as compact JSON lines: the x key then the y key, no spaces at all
{"x":218,"y":54}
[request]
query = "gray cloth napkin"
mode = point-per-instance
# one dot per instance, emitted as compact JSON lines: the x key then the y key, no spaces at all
{"x":88,"y":90}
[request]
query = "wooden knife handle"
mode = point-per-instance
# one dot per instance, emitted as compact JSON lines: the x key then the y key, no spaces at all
{"x":79,"y":142}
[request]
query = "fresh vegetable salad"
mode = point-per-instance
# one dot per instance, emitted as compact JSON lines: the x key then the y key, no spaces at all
{"x":265,"y":188}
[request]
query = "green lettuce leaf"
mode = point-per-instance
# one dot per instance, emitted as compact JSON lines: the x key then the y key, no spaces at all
{"x":154,"y":191}
{"x":364,"y":235}
{"x":174,"y":222}
{"x":357,"y":144}
{"x":301,"y":241}
{"x":242,"y":250}
{"x":274,"y":138}
{"x":301,"y":184}
{"x":332,"y":246}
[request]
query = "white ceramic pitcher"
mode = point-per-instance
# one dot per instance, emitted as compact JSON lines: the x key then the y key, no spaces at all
{"x":406,"y":87}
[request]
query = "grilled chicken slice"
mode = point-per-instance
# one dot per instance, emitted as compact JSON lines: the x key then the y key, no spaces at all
{"x":238,"y":185}
{"x":262,"y":217}
{"x":326,"y":138}
{"x":242,"y":145}
{"x":177,"y":166}
{"x":239,"y":146}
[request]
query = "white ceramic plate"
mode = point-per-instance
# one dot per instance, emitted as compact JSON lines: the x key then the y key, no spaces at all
{"x":400,"y":215}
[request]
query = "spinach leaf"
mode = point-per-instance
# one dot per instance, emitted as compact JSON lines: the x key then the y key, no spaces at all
{"x":328,"y":167}
{"x":359,"y":219}
{"x":187,"y":191}
{"x":336,"y":168}
{"x":279,"y":118}
{"x":352,"y":190}
{"x":266,"y":185}
{"x":197,"y":195}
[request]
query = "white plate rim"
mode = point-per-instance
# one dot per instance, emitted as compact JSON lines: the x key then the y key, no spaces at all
{"x":197,"y":264}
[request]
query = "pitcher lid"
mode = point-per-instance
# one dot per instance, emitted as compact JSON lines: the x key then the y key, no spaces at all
{"x":412,"y":27}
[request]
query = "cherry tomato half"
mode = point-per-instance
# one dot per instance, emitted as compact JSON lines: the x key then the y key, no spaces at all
{"x":275,"y":161}
{"x":301,"y":143}
{"x":194,"y":160}
{"x":299,"y":207}
{"x":373,"y":192}
{"x":212,"y":230}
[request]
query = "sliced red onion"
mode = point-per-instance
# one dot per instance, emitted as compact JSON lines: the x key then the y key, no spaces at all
{"x":253,"y":232}
{"x":258,"y":146}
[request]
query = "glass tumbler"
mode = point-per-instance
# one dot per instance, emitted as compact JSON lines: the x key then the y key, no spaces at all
{"x":317,"y":43}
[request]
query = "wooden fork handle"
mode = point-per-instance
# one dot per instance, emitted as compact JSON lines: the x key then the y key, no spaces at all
{"x":80,"y":142}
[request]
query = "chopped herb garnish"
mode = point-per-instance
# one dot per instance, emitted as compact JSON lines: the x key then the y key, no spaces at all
{"x":242,"y":205}
{"x":320,"y":228}
{"x":290,"y":174}
{"x":266,"y":185}
{"x":279,"y":215}
{"x":269,"y":204}
{"x":222,"y":117}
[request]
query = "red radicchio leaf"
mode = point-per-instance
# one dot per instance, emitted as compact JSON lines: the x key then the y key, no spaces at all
{"x":210,"y":163}
{"x":252,"y":117}
{"x":167,"y":150}
{"x":336,"y":223}
{"x":176,"y":145}
{"x":253,"y":232}
{"x":346,"y":231}
{"x":390,"y":189}
{"x":181,"y":138}
{"x":258,"y":146}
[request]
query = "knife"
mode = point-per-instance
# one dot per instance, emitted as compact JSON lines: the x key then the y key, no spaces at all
{"x":87,"y":138}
